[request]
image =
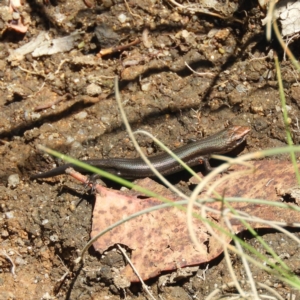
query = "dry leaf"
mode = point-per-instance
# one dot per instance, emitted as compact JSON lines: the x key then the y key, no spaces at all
{"x":160,"y":241}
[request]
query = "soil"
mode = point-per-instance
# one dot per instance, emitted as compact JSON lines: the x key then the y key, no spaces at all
{"x":66,"y":101}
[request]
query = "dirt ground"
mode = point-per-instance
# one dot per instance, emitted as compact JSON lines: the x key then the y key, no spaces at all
{"x":66,"y":101}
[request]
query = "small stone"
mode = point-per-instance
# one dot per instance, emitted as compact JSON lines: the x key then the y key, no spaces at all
{"x":222,"y":35}
{"x":45,"y":221}
{"x":35,"y":116}
{"x":46,"y":296}
{"x":146,"y":86}
{"x":16,"y":15}
{"x":122,"y":18}
{"x":93,"y":89}
{"x":107,"y":3}
{"x":9,"y":215}
{"x":70,"y":139}
{"x":81,"y":116}
{"x":54,"y":238}
{"x":4,"y":233}
{"x":76,"y":146}
{"x":13,"y":180}
{"x":20,"y":261}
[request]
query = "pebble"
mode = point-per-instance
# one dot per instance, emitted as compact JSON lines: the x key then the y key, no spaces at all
{"x":122,"y":18}
{"x":4,"y":233}
{"x":13,"y":180}
{"x":93,"y":89}
{"x":81,"y":115}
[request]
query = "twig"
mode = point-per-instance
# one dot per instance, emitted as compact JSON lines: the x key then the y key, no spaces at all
{"x":60,"y":281}
{"x":198,"y":73}
{"x":88,"y":3}
{"x":60,"y":65}
{"x":133,"y":14}
{"x":195,"y":9}
{"x":145,"y":287}
{"x":13,"y":266}
{"x":117,"y":48}
{"x":31,"y":72}
{"x":203,"y":277}
{"x":288,"y":41}
{"x":50,"y":104}
{"x":213,"y":295}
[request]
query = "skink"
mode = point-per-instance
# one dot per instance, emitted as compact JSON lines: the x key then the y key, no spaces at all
{"x":192,"y":154}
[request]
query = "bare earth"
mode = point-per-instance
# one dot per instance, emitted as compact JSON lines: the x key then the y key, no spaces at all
{"x":66,"y":101}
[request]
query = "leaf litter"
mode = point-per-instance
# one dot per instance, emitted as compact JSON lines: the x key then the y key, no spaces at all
{"x":159,"y":241}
